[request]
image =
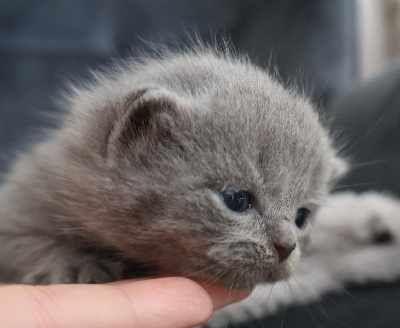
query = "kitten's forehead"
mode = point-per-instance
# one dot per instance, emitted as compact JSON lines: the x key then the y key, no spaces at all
{"x":237,"y":124}
{"x":240,"y":97}
{"x":277,"y":149}
{"x":264,"y":136}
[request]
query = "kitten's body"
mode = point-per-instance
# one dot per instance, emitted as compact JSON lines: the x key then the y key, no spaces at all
{"x":136,"y":170}
{"x":134,"y":177}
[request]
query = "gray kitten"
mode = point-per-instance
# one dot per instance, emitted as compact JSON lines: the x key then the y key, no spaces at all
{"x":192,"y":164}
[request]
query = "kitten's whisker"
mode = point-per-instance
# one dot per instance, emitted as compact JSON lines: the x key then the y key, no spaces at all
{"x":217,"y":276}
{"x":307,"y":303}
{"x":350,"y":148}
{"x":313,"y":316}
{"x":284,"y":311}
{"x":339,"y":187}
{"x":205,"y":269}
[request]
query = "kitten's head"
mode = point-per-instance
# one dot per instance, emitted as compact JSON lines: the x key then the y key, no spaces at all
{"x":199,"y":165}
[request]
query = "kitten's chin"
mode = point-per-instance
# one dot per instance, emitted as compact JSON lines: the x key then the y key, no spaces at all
{"x":247,"y":278}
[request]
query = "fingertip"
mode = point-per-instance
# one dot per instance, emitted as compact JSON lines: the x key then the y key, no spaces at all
{"x":199,"y":298}
{"x":169,"y":302}
{"x":223,"y":296}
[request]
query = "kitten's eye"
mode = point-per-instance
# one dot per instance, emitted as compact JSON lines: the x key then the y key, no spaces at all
{"x":236,"y":200}
{"x":301,"y":217}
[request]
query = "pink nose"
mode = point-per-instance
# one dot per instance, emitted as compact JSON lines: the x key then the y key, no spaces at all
{"x":284,"y":251}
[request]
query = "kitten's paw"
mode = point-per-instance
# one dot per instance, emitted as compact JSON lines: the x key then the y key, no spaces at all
{"x":351,"y":221}
{"x":82,"y":269}
{"x":357,"y":239}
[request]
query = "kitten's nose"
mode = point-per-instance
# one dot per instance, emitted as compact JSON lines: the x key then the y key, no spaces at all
{"x":284,"y":250}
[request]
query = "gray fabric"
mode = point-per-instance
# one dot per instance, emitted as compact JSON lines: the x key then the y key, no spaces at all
{"x":368,"y":121}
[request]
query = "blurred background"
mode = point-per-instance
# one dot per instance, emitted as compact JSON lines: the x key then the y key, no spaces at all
{"x":345,"y":53}
{"x":44,"y":43}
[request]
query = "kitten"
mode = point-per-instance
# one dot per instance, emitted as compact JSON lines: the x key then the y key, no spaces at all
{"x":355,"y":239}
{"x":193,"y":164}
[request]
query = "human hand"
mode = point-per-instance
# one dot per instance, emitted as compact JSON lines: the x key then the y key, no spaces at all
{"x":147,"y":303}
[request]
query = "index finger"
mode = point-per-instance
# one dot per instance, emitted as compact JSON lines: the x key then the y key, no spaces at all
{"x":163,"y":303}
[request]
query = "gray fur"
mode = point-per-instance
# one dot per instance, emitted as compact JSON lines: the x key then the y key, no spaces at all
{"x":136,"y":169}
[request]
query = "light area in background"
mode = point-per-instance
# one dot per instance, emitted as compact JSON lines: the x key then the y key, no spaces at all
{"x":379,"y":35}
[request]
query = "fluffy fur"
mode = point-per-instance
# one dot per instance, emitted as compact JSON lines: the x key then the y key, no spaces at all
{"x":355,"y":240}
{"x":133,"y":176}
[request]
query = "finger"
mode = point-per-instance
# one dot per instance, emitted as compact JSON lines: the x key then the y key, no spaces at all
{"x":163,"y":303}
{"x":222,"y":296}
{"x":179,"y":301}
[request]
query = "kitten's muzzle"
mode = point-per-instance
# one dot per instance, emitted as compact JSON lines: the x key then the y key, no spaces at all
{"x":284,"y":250}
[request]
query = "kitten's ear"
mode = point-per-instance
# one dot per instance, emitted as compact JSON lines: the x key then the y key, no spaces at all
{"x":339,"y":168}
{"x":145,"y":116}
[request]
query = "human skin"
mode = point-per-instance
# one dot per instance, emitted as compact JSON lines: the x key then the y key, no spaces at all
{"x":160,"y":302}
